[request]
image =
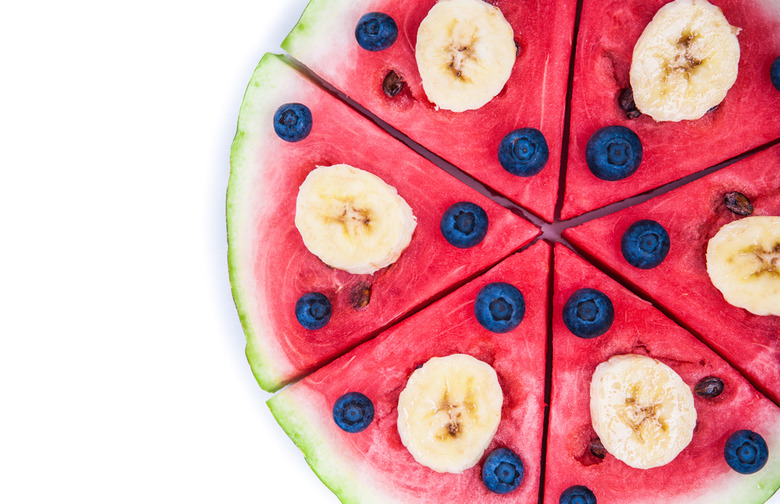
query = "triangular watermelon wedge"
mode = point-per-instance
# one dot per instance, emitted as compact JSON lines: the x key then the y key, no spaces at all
{"x":748,"y":117}
{"x":691,"y":215}
{"x":324,"y":40}
{"x":373,"y":465}
{"x":699,"y":473}
{"x":270,"y":268}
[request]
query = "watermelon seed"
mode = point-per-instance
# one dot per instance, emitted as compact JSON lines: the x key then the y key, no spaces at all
{"x":738,"y":203}
{"x":709,"y":387}
{"x":360,"y":295}
{"x":597,"y":449}
{"x":392,"y":84}
{"x":627,"y":105}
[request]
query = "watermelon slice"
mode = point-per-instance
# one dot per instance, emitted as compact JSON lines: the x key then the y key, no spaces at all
{"x":270,"y":268}
{"x":700,"y":473}
{"x":324,"y":40}
{"x":691,"y":215}
{"x":748,"y":117}
{"x":373,"y":465}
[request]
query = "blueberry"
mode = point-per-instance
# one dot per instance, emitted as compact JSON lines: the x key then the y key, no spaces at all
{"x":499,"y":307}
{"x":464,"y":224}
{"x":577,"y":494}
{"x":588,"y":313}
{"x":746,"y":452}
{"x":503,"y":471}
{"x":292,"y":122}
{"x":376,"y":31}
{"x":313,"y":310}
{"x":645,"y":244}
{"x":613,"y":153}
{"x":774,"y":73}
{"x":523,"y":152}
{"x":353,"y":412}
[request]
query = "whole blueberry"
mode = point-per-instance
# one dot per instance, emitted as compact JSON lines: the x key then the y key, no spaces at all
{"x":353,"y":412}
{"x":292,"y":122}
{"x":523,"y":152}
{"x":376,"y":31}
{"x":613,"y":153}
{"x":645,"y":244}
{"x":313,"y":310}
{"x":746,"y":452}
{"x":503,"y":471}
{"x":464,"y":224}
{"x":499,"y":307}
{"x":588,"y":313}
{"x":774,"y":73}
{"x":577,"y":494}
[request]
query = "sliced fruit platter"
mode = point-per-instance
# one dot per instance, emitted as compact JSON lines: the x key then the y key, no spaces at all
{"x":522,"y":251}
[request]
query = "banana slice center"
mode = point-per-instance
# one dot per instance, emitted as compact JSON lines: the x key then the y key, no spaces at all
{"x":449,"y":412}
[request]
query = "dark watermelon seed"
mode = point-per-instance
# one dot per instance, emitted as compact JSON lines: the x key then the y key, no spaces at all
{"x":392,"y":84}
{"x":738,"y":203}
{"x":517,"y":48}
{"x":626,"y":103}
{"x":360,"y":295}
{"x":597,"y":449}
{"x":709,"y":387}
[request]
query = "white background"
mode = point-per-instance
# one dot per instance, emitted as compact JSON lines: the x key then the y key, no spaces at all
{"x":122,"y":369}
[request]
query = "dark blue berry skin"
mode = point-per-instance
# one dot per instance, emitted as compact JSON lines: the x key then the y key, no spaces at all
{"x":613,"y":153}
{"x":588,"y":313}
{"x":292,"y":122}
{"x":774,"y":73}
{"x":577,"y":494}
{"x":503,"y":471}
{"x":464,"y":224}
{"x":376,"y":31}
{"x":746,"y":452}
{"x":645,"y":244}
{"x":523,"y":152}
{"x":499,"y":307}
{"x":353,"y":412}
{"x":313,"y":310}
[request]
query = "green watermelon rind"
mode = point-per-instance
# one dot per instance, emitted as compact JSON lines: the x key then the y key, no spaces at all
{"x":337,"y":474}
{"x":266,"y":360}
{"x":319,"y":16}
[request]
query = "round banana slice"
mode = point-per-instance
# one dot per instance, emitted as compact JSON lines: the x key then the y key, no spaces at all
{"x":743,"y":262}
{"x":352,"y":220}
{"x":685,"y":61}
{"x":449,"y":412}
{"x":465,"y":52}
{"x":641,"y":410}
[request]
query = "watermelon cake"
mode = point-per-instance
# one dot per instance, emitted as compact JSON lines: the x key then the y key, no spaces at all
{"x":431,"y":346}
{"x":533,"y":96}
{"x":748,"y":116}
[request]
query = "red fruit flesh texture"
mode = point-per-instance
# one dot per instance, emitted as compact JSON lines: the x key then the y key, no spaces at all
{"x":748,"y":117}
{"x":380,"y":369}
{"x":282,"y":268}
{"x":700,"y":469}
{"x":691,"y":215}
{"x":534,"y":96}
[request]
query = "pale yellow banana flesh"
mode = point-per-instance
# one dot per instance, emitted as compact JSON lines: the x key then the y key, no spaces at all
{"x":743,"y":262}
{"x":684,"y":62}
{"x":352,"y":220}
{"x":465,"y":52}
{"x":642,"y":410}
{"x":449,"y":412}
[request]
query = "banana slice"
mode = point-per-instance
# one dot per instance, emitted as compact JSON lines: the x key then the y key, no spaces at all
{"x":352,"y":220}
{"x":465,"y":52}
{"x":743,"y":262}
{"x":641,"y":410}
{"x":685,"y":61}
{"x":449,"y":412}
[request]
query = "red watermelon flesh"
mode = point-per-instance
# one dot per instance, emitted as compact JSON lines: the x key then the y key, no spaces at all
{"x":691,"y":215}
{"x":533,"y":97}
{"x":748,"y":117}
{"x":373,"y":465}
{"x":270,"y":266}
{"x":699,"y":474}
